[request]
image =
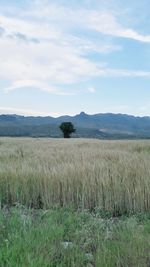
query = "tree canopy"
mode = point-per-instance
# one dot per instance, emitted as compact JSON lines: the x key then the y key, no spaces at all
{"x":67,"y":128}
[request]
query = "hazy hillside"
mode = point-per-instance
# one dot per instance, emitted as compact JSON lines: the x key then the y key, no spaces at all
{"x":99,"y":126}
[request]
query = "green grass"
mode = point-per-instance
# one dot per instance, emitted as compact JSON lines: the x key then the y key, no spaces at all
{"x":35,"y":238}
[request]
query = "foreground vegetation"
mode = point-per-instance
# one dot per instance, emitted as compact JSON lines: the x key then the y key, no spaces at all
{"x":74,"y":203}
{"x":65,"y":238}
{"x":44,"y":173}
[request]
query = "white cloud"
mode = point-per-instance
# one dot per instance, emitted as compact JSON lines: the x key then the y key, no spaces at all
{"x":124,"y":73}
{"x":35,"y":84}
{"x":91,"y":90}
{"x":44,"y":63}
{"x":106,"y":23}
{"x":38,"y":48}
{"x":26,"y":112}
{"x":103,"y":21}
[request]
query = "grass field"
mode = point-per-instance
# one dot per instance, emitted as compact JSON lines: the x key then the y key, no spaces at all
{"x":74,"y":203}
{"x":65,"y":238}
{"x":113,"y":176}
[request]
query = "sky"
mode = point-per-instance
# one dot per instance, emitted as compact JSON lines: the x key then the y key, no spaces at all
{"x":62,"y":57}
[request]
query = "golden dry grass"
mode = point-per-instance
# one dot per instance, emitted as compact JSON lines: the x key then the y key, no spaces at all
{"x":110,"y":175}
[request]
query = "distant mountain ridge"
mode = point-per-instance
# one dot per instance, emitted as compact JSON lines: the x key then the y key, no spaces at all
{"x":102,"y":125}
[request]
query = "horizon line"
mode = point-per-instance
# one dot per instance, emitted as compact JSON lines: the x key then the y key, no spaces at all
{"x":69,"y":115}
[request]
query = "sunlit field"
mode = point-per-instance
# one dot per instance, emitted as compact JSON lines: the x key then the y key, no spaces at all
{"x":112,"y":176}
{"x":74,"y":203}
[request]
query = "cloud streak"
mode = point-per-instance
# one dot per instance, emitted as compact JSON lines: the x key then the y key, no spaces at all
{"x":26,"y":112}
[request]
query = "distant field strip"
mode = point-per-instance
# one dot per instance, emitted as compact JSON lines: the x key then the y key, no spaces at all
{"x":112,"y":176}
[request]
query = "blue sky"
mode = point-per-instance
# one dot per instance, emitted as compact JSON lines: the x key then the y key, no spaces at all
{"x":63,"y":57}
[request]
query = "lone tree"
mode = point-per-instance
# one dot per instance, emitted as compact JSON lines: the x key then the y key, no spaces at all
{"x":67,"y":128}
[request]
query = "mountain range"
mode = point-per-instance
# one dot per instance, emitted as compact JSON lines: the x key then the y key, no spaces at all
{"x":103,"y":126}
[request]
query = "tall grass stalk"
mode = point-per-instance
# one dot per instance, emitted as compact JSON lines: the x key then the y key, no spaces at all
{"x":42,"y":173}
